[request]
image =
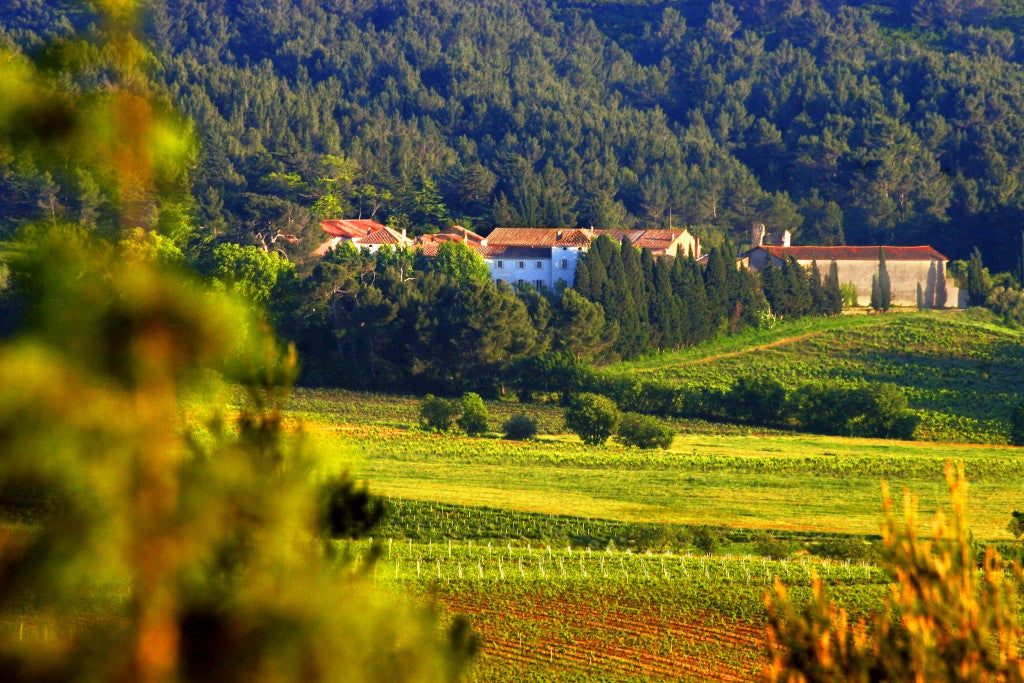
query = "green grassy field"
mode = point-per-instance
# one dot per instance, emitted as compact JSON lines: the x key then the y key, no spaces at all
{"x":960,"y":371}
{"x":783,"y":481}
{"x":583,"y":563}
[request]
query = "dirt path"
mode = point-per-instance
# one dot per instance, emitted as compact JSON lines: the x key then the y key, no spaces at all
{"x":752,"y":349}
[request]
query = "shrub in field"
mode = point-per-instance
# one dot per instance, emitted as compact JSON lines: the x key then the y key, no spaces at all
{"x":1016,"y":525}
{"x":957,"y":621}
{"x":438,"y":414}
{"x":882,"y":412}
{"x":520,"y":427}
{"x":758,"y":399}
{"x":706,"y":539}
{"x":872,"y":411}
{"x":774,"y":548}
{"x":592,"y":417}
{"x":643,"y":431}
{"x":474,"y":414}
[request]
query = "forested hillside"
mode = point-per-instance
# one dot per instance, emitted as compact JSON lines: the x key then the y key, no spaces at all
{"x":895,"y":122}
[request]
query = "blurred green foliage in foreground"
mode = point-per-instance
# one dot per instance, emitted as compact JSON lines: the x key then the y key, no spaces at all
{"x":136,"y":544}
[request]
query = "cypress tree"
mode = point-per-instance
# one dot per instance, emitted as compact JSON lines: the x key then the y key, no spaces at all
{"x":976,"y":288}
{"x":581,"y":280}
{"x":797,"y":289}
{"x":819,"y":301}
{"x":773,"y":286}
{"x":884,"y":285}
{"x":663,"y":315}
{"x":833,"y":293}
{"x":701,"y":311}
{"x":716,"y":283}
{"x":634,"y":277}
{"x":750,"y":301}
{"x":876,"y":294}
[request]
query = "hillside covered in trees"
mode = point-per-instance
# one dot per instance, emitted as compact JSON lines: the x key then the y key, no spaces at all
{"x":894,"y":122}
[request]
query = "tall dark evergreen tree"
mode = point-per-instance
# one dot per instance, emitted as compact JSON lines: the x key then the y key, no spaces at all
{"x":884,"y":283}
{"x":977,"y":287}
{"x":819,"y":300}
{"x":833,"y":292}
{"x":797,"y":300}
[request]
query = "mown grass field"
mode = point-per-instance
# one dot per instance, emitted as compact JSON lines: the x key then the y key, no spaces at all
{"x":960,"y":371}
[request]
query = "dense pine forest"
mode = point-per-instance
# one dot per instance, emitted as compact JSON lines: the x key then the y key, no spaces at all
{"x":894,"y":122}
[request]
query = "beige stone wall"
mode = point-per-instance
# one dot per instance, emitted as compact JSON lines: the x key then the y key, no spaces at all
{"x":684,"y":245}
{"x":904,"y":277}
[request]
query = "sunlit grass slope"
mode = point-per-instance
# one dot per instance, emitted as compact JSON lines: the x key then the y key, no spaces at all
{"x":960,"y":371}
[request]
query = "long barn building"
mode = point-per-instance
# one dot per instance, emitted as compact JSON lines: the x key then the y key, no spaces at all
{"x":910,"y":269}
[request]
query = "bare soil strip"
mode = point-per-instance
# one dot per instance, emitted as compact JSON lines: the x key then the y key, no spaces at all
{"x":732,"y":354}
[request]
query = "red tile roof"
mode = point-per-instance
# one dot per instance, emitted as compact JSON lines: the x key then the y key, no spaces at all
{"x":350,"y":228}
{"x":464,"y":234}
{"x":921,"y":253}
{"x":384,"y":235}
{"x":655,"y":240}
{"x":526,"y":237}
{"x":541,"y":237}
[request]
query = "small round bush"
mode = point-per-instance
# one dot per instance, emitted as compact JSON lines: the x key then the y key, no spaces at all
{"x":644,"y":431}
{"x":520,"y":427}
{"x":592,"y":417}
{"x":474,"y":414}
{"x":437,"y":413}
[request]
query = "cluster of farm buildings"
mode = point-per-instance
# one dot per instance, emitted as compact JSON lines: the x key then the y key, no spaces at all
{"x":545,"y":257}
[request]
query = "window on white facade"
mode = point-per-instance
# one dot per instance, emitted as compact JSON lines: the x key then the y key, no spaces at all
{"x":500,"y":264}
{"x":539,"y":284}
{"x":521,"y":265}
{"x":540,"y":264}
{"x":565,"y":263}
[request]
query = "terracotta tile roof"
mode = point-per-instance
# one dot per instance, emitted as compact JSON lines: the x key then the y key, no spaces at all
{"x":921,"y":253}
{"x":384,"y":235}
{"x":464,"y":233}
{"x":541,"y":237}
{"x":349,"y":228}
{"x":427,"y":248}
{"x":655,"y":240}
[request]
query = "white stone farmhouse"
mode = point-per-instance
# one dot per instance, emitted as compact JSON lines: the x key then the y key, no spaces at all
{"x":543,"y":257}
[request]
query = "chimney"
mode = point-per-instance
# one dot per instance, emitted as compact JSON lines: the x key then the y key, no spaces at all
{"x":558,"y":235}
{"x":403,"y":233}
{"x":787,"y":237}
{"x":757,"y":231}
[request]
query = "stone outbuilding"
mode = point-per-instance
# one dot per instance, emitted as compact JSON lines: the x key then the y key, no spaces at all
{"x":910,"y":269}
